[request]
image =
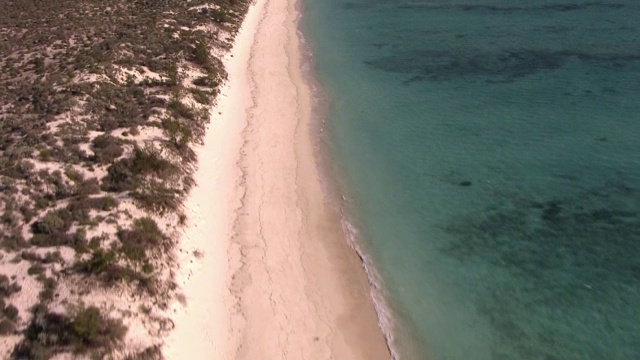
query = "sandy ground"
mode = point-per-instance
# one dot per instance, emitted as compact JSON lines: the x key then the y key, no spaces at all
{"x":276,"y":278}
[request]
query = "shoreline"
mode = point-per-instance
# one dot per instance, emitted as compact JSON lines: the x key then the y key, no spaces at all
{"x":299,"y":272}
{"x":266,"y":267}
{"x":337,"y":191}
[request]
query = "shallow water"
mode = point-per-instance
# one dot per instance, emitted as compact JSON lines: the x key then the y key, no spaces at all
{"x":489,"y":151}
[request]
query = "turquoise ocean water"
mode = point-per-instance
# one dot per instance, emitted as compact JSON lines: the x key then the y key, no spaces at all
{"x":489,"y":152}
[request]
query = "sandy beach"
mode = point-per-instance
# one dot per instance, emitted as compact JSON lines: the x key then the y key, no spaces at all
{"x":265,"y":267}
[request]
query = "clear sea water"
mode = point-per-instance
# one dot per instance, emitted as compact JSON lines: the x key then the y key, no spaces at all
{"x":490,"y":154}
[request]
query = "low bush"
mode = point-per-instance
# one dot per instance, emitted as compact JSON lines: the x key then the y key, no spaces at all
{"x":88,"y":187}
{"x":11,"y":312}
{"x":36,"y":269}
{"x":27,"y":212}
{"x":12,"y":240}
{"x":99,"y":262}
{"x":206,"y":81}
{"x":202,"y":97}
{"x":79,"y":206}
{"x":49,"y":333}
{"x":177,"y":108}
{"x":48,"y":291}
{"x":7,"y":327}
{"x":51,"y":223}
{"x":126,"y":174}
{"x":8,"y":288}
{"x":157,"y":198}
{"x":150,"y":353}
{"x":48,"y":240}
{"x":144,"y":235}
{"x":106,"y":148}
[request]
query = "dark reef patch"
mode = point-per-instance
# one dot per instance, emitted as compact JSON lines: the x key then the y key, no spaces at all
{"x":497,"y":66}
{"x":433,"y":6}
{"x":575,"y":255}
{"x":511,"y":9}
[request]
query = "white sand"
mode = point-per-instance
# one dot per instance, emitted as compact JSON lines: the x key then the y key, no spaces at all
{"x":202,"y":326}
{"x":277,"y":279}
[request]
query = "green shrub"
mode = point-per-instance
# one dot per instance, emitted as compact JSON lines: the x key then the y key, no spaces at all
{"x":47,"y":240}
{"x":157,"y":198}
{"x":106,"y":148}
{"x":79,"y":207}
{"x":11,"y":312}
{"x":88,"y":187}
{"x":126,"y":174}
{"x":8,"y":288}
{"x":27,"y":212}
{"x":120,"y":177}
{"x":7,"y":327}
{"x":74,"y":175}
{"x":51,"y":223}
{"x":51,"y":333}
{"x":206,"y":81}
{"x":151,"y":353}
{"x":36,"y":269}
{"x":179,"y":109}
{"x":202,"y":97}
{"x":91,"y":329}
{"x":53,"y":257}
{"x":201,"y":55}
{"x":99,"y":262}
{"x":179,"y":133}
{"x":29,"y":256}
{"x":48,"y":291}
{"x":144,"y":235}
{"x":13,"y":240}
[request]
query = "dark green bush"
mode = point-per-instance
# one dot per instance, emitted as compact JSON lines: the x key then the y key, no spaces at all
{"x":99,"y":262}
{"x":157,"y":198}
{"x":36,"y":269}
{"x":206,"y":81}
{"x":144,"y":235}
{"x":79,"y":207}
{"x":11,"y":312}
{"x":13,"y":240}
{"x":74,"y":175}
{"x":201,"y":55}
{"x":48,"y":291}
{"x":8,"y":288}
{"x":88,"y":187}
{"x":91,"y":329}
{"x":126,"y":174}
{"x":201,"y":96}
{"x":120,"y":177}
{"x":47,"y":240}
{"x":106,"y":148}
{"x":51,"y":223}
{"x":180,"y":134}
{"x":179,"y":109}
{"x":7,"y":327}
{"x":27,"y":212}
{"x":51,"y":333}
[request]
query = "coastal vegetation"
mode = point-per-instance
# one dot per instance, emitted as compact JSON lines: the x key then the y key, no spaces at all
{"x":101,"y":103}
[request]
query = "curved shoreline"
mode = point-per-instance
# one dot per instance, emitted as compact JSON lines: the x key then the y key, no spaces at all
{"x":298,"y":273}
